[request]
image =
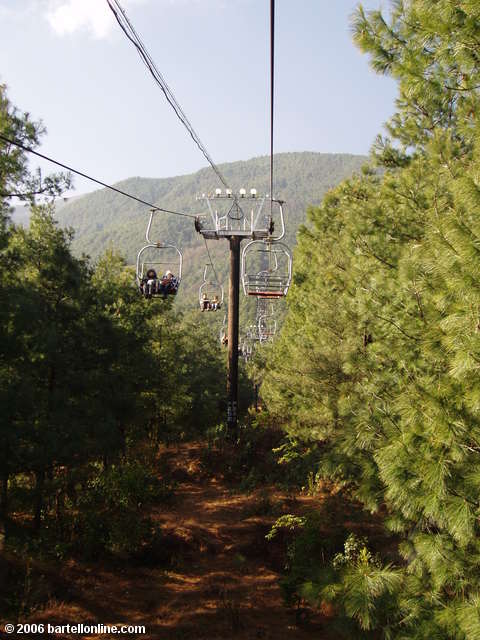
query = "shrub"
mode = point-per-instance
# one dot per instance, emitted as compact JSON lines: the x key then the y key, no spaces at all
{"x":110,"y":516}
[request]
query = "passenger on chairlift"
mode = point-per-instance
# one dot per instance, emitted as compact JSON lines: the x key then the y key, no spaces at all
{"x":168,"y":284}
{"x":205,"y":303}
{"x":149,"y":284}
{"x":215,"y":304}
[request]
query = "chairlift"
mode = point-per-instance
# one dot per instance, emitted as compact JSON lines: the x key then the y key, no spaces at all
{"x":210,"y":293}
{"x":252,"y":333}
{"x":224,"y":332}
{"x":246,"y":349}
{"x":266,"y":269}
{"x":267,"y":328}
{"x":161,"y":260}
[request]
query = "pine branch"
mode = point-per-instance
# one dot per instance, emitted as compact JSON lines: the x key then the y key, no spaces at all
{"x":397,"y":327}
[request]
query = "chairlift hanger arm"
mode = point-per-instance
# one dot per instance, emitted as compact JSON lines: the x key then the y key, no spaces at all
{"x":235,"y":222}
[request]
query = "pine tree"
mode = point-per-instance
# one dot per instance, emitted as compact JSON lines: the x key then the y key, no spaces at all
{"x":15,"y":180}
{"x":378,"y":355}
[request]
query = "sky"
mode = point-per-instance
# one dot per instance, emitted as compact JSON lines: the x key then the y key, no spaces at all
{"x":67,"y":63}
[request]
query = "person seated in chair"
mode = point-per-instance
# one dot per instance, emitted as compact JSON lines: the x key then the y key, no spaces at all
{"x":205,"y":303}
{"x":168,"y":284}
{"x":215,"y":304}
{"x":149,"y":284}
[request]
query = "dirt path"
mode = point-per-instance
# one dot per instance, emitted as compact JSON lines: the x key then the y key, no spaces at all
{"x":221,"y":581}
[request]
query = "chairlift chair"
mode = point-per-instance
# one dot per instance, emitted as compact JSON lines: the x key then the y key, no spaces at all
{"x":246,"y":349}
{"x":273,"y":280}
{"x":161,"y":257}
{"x":208,"y":291}
{"x":223,"y":332}
{"x":267,"y":328}
{"x":252,"y":333}
{"x":266,"y":319}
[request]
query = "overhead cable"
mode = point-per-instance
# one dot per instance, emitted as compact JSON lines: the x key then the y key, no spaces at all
{"x":272,"y":78}
{"x":135,"y":39}
{"x":84,"y":175}
{"x":211,"y":262}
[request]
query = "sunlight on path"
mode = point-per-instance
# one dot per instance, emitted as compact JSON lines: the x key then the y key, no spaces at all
{"x":221,"y":580}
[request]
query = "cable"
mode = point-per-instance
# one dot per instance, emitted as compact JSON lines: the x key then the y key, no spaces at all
{"x":135,"y":39}
{"x":84,"y":175}
{"x":211,"y":262}
{"x":272,"y":78}
{"x":147,"y":59}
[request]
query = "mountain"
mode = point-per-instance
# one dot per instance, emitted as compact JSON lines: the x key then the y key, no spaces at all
{"x":106,"y":219}
{"x":20,"y":215}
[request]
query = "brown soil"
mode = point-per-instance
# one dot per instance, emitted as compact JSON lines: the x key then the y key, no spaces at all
{"x":221,"y":580}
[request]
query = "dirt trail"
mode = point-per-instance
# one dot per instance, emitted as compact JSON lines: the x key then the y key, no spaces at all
{"x":221,"y":581}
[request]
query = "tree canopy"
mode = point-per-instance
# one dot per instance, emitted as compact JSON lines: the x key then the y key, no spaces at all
{"x":377,"y":360}
{"x":91,"y":373}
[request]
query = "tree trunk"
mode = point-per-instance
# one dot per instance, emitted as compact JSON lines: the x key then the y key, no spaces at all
{"x":60,"y":511}
{"x":5,"y":476}
{"x":123,"y":439}
{"x":38,"y":499}
{"x":4,"y":507}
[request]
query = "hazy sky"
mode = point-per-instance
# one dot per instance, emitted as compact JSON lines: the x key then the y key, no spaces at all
{"x":68,"y":63}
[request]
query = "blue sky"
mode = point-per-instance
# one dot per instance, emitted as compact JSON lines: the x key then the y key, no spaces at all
{"x":67,"y":62}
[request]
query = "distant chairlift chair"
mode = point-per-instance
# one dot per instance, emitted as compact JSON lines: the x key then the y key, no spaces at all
{"x":267,"y":328}
{"x":210,"y":294}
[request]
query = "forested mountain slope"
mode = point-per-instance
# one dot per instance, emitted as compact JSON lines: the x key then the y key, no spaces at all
{"x":106,"y":219}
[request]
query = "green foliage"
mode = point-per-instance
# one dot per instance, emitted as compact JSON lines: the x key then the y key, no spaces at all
{"x":93,"y":378}
{"x":376,"y":363}
{"x":307,"y":552}
{"x":15,"y":177}
{"x":355,"y":553}
{"x":433,"y":54}
{"x":289,"y":522}
{"x":373,"y":378}
{"x":248,"y":461}
{"x":296,"y":460}
{"x":365,"y":594}
{"x":111,"y":509}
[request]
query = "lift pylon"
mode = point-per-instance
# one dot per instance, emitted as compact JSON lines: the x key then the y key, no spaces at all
{"x":235,"y":217}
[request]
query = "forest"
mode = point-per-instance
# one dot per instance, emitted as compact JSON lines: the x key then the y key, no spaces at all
{"x":347,"y":504}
